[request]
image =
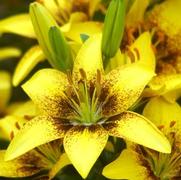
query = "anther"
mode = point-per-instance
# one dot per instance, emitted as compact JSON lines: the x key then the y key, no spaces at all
{"x":17,"y":125}
{"x":83,"y":74}
{"x":131,"y":56}
{"x":172,"y":123}
{"x":11,"y":135}
{"x":137,"y":53}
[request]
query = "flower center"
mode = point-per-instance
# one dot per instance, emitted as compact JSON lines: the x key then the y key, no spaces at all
{"x":85,"y":99}
{"x":165,"y":166}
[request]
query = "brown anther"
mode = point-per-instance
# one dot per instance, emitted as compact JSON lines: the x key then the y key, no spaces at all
{"x":172,"y":134}
{"x":11,"y":135}
{"x":83,"y":74}
{"x":17,"y":125}
{"x":131,"y":56}
{"x":27,"y":117}
{"x":137,"y":53}
{"x":172,"y":123}
{"x":69,"y":77}
{"x":161,"y":127}
{"x":98,"y":76}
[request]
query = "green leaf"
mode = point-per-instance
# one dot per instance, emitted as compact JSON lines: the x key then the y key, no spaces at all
{"x":61,"y":50}
{"x":113,"y":29}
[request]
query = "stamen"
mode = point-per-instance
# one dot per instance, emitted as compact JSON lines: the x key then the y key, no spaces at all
{"x":172,"y":123}
{"x":83,"y":74}
{"x":17,"y":125}
{"x":137,"y":53}
{"x":131,"y":56}
{"x":11,"y":135}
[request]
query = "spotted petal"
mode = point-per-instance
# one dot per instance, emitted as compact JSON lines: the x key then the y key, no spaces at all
{"x":163,"y":113}
{"x":89,"y":58}
{"x":123,"y":86}
{"x":46,"y":89}
{"x":138,"y":129}
{"x":83,"y":146}
{"x":37,"y":131}
{"x":126,"y":166}
{"x":26,"y":165}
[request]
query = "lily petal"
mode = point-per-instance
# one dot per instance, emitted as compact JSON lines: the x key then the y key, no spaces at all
{"x":9,"y":125}
{"x":136,"y":13}
{"x":9,"y":52}
{"x":126,"y":166}
{"x":138,"y":129}
{"x":62,"y":162}
{"x":18,"y":24}
{"x":143,"y":51}
{"x":166,"y":84}
{"x":124,"y":85}
{"x":83,"y":146}
{"x":5,"y":89}
{"x":36,"y":132}
{"x":163,"y":113}
{"x":46,"y":89}
{"x":31,"y":58}
{"x":89,"y":58}
{"x":26,"y":165}
{"x":76,"y":29}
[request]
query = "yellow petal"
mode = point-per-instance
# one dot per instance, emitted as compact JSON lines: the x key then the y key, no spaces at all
{"x":37,"y":131}
{"x":9,"y":52}
{"x":163,"y":113}
{"x":166,"y":84}
{"x":62,"y":162}
{"x":5,"y":89}
{"x":143,"y":51}
{"x":10,"y":125}
{"x":22,"y":109}
{"x":89,"y":58}
{"x":30,"y":59}
{"x":18,"y":24}
{"x":136,"y":13}
{"x":46,"y":88}
{"x":26,"y":165}
{"x":83,"y":146}
{"x":124,"y":85}
{"x":138,"y":129}
{"x":89,"y":28}
{"x":126,"y":166}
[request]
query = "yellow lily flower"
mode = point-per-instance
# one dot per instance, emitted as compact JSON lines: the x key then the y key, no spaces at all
{"x":85,"y":108}
{"x":48,"y":157}
{"x":165,"y":41}
{"x":140,"y":163}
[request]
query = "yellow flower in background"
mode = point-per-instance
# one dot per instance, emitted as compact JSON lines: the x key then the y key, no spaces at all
{"x":48,"y":157}
{"x":72,"y":21}
{"x":85,"y":108}
{"x":140,"y":163}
